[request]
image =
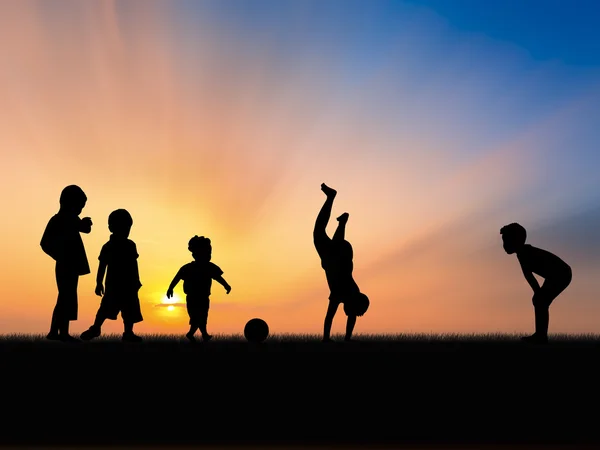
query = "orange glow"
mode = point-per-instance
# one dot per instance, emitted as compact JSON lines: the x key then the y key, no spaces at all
{"x":217,"y":140}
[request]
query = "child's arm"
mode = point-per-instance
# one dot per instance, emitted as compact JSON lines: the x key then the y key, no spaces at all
{"x":85,"y":225}
{"x":222,"y":281}
{"x":136,"y":270}
{"x":100,"y":278}
{"x":176,"y":280}
{"x":49,"y":242}
{"x":137,"y":277}
{"x":533,"y":282}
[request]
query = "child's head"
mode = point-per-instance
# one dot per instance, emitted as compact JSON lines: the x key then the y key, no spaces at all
{"x":120,"y":223}
{"x":357,"y":306}
{"x":513,"y":237}
{"x":72,"y":199}
{"x":200,"y":247}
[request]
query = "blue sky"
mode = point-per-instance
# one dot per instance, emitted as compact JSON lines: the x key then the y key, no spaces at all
{"x":547,"y":29}
{"x":561,"y":30}
{"x":474,"y":74}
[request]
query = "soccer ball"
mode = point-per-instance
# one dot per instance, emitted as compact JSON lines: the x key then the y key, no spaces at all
{"x":256,"y":330}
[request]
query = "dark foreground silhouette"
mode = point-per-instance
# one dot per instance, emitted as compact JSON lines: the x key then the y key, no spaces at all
{"x":197,"y":279}
{"x":405,"y":391}
{"x":62,"y":242}
{"x":556,"y":273}
{"x":118,"y":260}
{"x":336,"y":259}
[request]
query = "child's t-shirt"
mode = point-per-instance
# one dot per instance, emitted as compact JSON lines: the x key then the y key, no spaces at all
{"x":336,"y":260}
{"x":197,"y":277}
{"x":120,"y":255}
{"x":542,"y":262}
{"x":62,"y":241}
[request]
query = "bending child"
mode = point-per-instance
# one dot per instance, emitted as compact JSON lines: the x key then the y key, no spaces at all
{"x":62,"y":242}
{"x":336,"y":259}
{"x":118,"y":260}
{"x":557,"y":276}
{"x":197,"y":279}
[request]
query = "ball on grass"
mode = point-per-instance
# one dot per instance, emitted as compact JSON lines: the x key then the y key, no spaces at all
{"x":256,"y":330}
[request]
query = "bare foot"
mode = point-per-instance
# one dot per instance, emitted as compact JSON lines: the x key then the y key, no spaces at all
{"x":329,"y":192}
{"x":343,"y":218}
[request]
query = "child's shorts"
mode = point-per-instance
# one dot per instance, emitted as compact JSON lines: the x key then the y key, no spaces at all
{"x":197,"y":307}
{"x":127,"y":304}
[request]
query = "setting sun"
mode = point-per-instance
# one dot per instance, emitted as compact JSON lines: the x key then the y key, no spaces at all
{"x":171,"y":301}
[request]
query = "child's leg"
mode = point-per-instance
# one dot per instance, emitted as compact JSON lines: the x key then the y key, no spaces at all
{"x":340,"y":232}
{"x":192,"y":309}
{"x":131,"y":314}
{"x":55,"y":323}
{"x":202,"y":324}
{"x":129,"y":335}
{"x":542,"y":319}
{"x":542,"y":301}
{"x":331,"y":310}
{"x":96,"y":329}
{"x":128,"y":327}
{"x":190,"y":334}
{"x":66,"y":283}
{"x":350,"y":327}
{"x":320,"y":230}
{"x":100,"y":319}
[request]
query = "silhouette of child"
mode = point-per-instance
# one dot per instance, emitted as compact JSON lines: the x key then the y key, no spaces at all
{"x":62,"y":242}
{"x":118,"y":259}
{"x":336,"y":259}
{"x":557,"y":276}
{"x":197,"y":279}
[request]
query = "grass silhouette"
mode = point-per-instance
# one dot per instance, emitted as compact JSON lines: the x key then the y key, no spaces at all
{"x":394,"y":389}
{"x":384,"y":339}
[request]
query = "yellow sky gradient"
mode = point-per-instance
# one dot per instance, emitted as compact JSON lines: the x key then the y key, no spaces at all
{"x":227,"y":146}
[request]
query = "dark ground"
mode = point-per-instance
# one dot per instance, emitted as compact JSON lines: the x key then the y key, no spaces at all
{"x":402,"y":391}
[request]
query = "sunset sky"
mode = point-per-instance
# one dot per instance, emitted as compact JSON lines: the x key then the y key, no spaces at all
{"x":438,"y":122}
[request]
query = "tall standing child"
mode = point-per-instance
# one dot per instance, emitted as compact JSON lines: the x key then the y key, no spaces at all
{"x":62,"y":242}
{"x":197,"y":279}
